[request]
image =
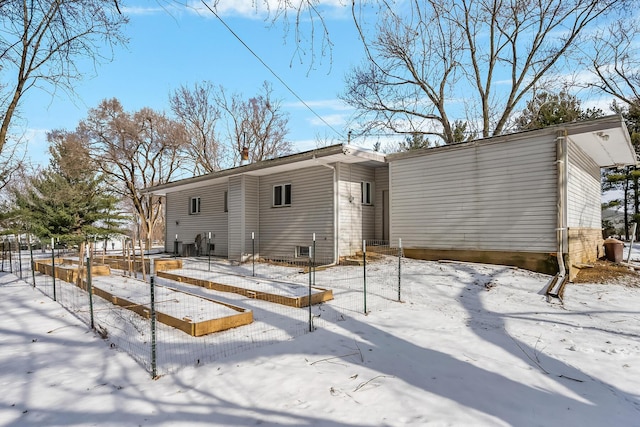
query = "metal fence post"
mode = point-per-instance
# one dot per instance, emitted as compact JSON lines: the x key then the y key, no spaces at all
{"x":19,"y":258}
{"x":10,"y":260}
{"x":209,"y":249}
{"x":253,"y":253}
{"x":154,"y":373}
{"x":364,"y":273}
{"x":33,"y":265}
{"x":90,"y":290}
{"x":399,"y":266}
{"x":53,"y":268}
{"x":314,"y":259}
{"x":310,"y":319}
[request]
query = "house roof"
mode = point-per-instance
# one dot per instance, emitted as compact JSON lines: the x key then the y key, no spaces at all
{"x":320,"y":156}
{"x":606,"y":140}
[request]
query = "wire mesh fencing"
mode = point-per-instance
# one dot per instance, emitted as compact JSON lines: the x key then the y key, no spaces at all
{"x":195,"y":310}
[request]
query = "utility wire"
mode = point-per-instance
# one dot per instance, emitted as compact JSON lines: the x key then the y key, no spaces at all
{"x":269,"y":68}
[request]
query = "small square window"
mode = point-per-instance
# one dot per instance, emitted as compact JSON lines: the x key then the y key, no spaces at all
{"x":282,"y":195}
{"x":365,"y":188}
{"x":194,"y":206}
{"x":302,"y":251}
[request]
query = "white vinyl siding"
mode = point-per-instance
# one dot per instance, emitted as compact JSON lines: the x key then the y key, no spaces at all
{"x":235,"y":204}
{"x":584,"y":192}
{"x":211,"y":219}
{"x":311,"y":211}
{"x":487,"y":196}
{"x":357,"y":221}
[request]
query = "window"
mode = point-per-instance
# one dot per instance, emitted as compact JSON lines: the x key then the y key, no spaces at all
{"x":302,"y":251}
{"x":194,"y":206}
{"x":226,"y":201}
{"x":365,"y":188}
{"x":282,"y":195}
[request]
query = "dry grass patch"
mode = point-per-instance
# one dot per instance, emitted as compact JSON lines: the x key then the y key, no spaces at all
{"x":605,"y":272}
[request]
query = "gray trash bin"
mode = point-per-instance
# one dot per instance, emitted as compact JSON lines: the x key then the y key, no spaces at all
{"x":613,"y":249}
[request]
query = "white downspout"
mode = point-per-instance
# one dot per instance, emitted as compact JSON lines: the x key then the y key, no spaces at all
{"x":562,"y":169}
{"x":336,"y":204}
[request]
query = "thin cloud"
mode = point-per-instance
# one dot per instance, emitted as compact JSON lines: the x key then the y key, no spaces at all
{"x":330,"y":119}
{"x":329,"y":104}
{"x":260,"y":9}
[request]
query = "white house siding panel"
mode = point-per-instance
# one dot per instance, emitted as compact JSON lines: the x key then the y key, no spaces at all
{"x":284,"y":228}
{"x":211,"y":218}
{"x":381,"y":185}
{"x":357,"y":221}
{"x":251,"y":213}
{"x":495,"y":196}
{"x":236,"y":217}
{"x":583,"y":188}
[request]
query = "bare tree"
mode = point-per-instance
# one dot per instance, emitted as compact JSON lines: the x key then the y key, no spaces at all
{"x":42,"y":43}
{"x":615,"y":61}
{"x":135,"y":151}
{"x":257,"y":123}
{"x":429,"y":61}
{"x":196,"y":109}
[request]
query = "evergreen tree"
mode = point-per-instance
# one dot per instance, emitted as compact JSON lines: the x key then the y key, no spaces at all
{"x":627,"y":180}
{"x":548,"y":109}
{"x":67,"y":200}
{"x":414,"y":142}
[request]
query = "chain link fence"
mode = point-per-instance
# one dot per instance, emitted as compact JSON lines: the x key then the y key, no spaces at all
{"x":187,"y":311}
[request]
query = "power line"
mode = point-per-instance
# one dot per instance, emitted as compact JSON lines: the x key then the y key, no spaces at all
{"x":270,"y":69}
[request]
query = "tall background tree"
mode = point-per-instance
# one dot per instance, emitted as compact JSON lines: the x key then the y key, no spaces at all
{"x":68,"y":200}
{"x":135,"y":151}
{"x":625,"y":182}
{"x":548,"y":109}
{"x":221,"y":124}
{"x":197,"y":110}
{"x":42,"y":44}
{"x":430,"y":62}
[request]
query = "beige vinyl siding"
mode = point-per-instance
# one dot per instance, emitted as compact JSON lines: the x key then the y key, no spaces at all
{"x":357,"y":221}
{"x":236,"y":217}
{"x":311,"y":211}
{"x":251,"y":213}
{"x":211,"y":218}
{"x":381,"y":184}
{"x":584,"y":192}
{"x":491,"y":196}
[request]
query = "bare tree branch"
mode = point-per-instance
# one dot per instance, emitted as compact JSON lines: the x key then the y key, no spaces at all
{"x":41,"y":42}
{"x":429,"y":61}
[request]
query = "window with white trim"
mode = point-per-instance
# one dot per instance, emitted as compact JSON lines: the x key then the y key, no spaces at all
{"x":194,"y":206}
{"x":282,"y":195}
{"x":366,"y":190}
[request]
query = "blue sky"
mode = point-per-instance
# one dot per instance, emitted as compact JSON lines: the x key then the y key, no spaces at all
{"x":174,"y":47}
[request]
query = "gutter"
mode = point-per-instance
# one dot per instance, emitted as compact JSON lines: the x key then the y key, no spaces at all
{"x":336,"y":216}
{"x":562,"y":170}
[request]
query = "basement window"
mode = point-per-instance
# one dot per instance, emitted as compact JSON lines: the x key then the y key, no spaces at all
{"x":282,"y":195}
{"x":302,"y":251}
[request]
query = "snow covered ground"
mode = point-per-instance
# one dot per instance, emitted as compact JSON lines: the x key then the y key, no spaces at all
{"x":471,"y":345}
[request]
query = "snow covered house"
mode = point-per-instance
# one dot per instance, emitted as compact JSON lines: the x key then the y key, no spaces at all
{"x":526,"y":199}
{"x":281,"y":203}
